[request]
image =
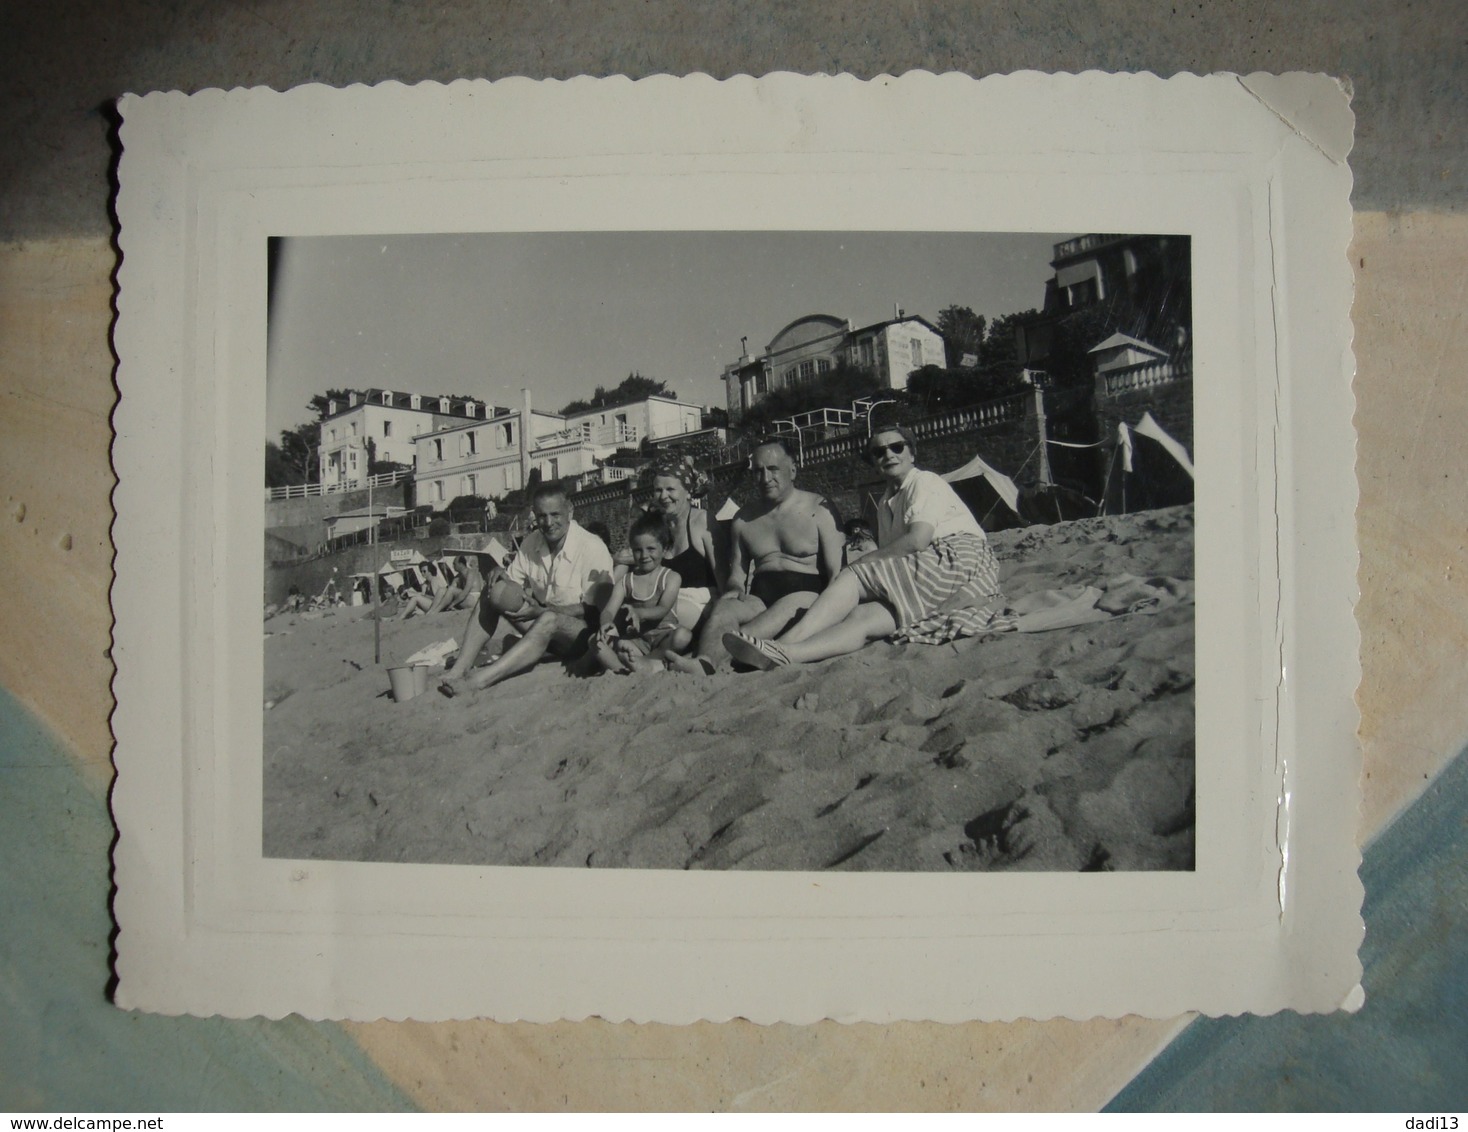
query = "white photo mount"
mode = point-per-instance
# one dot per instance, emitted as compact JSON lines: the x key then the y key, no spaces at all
{"x":1252,"y":168}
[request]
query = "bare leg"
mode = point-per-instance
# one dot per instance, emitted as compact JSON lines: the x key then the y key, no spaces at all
{"x":445,"y":599}
{"x":870,"y":621}
{"x":677,"y":642}
{"x":483,"y":622}
{"x":525,"y":653}
{"x":414,"y":603}
{"x":831,"y":608}
{"x":724,"y":616}
{"x":777,"y":618}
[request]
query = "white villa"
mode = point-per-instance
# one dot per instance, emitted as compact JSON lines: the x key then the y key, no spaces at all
{"x":391,"y":421}
{"x":468,"y":457}
{"x":816,"y":343}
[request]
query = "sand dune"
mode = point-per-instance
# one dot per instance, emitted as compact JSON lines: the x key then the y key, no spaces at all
{"x":1065,"y":750}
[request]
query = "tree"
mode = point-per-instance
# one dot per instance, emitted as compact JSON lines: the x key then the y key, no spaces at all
{"x":298,"y":454}
{"x":634,"y":387}
{"x":295,"y":460}
{"x":318,"y":403}
{"x":467,"y":508}
{"x":963,"y":333}
{"x":279,"y":471}
{"x":1000,"y":358}
{"x":939,"y":390}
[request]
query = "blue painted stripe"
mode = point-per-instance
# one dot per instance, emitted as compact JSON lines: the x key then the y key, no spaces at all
{"x":63,"y":1047}
{"x":1407,"y":1048}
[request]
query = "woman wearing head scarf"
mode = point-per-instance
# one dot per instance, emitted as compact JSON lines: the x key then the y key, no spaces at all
{"x":676,"y":482}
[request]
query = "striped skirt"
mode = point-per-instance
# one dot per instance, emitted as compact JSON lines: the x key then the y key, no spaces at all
{"x":947,"y":590}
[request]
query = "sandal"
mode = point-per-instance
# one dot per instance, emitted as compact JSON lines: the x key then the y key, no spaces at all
{"x":763,"y":655}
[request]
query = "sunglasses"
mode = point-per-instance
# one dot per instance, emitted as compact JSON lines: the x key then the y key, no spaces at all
{"x":876,"y":451}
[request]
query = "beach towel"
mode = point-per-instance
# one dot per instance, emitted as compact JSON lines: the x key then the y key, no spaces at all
{"x":1118,"y":596}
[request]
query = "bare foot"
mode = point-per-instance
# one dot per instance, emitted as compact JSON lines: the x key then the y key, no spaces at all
{"x":609,"y":658}
{"x":690,"y":665}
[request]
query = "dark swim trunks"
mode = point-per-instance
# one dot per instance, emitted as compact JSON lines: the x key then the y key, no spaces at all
{"x":771,"y":586}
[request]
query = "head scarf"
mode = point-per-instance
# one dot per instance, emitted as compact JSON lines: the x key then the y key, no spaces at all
{"x":682,"y":468}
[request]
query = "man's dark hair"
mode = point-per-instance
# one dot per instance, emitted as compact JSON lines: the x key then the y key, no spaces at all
{"x":650,"y":523}
{"x":548,"y":489}
{"x":775,"y":441}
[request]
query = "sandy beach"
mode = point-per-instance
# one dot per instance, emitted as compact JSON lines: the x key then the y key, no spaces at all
{"x":1063,"y":750}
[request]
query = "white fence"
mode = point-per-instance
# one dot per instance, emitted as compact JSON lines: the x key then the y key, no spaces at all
{"x":1147,"y":376}
{"x":308,"y":490}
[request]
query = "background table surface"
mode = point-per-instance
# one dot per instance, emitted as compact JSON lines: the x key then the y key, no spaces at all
{"x":62,"y":1047}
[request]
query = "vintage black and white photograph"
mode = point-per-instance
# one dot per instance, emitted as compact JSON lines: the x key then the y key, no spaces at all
{"x":756,"y":550}
{"x":732,"y":549}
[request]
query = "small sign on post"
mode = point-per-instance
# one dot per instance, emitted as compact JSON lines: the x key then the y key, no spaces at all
{"x":399,"y":555}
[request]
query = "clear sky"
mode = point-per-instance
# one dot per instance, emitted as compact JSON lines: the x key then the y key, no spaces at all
{"x":560,"y":313}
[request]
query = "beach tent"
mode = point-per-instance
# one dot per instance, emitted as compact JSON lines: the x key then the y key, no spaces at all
{"x":392,"y":574}
{"x":496,"y":549}
{"x":1003,"y":486}
{"x":989,"y":493}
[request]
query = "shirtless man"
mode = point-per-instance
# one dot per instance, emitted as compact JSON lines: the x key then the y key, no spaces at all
{"x":785,"y":549}
{"x":544,"y":593}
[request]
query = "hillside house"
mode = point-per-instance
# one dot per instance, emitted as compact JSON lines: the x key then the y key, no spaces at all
{"x":815,"y":344}
{"x":392,"y":421}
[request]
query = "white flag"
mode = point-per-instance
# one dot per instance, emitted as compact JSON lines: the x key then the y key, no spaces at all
{"x":1150,"y":428}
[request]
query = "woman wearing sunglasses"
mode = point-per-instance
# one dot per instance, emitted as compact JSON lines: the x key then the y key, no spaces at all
{"x":931,"y":579}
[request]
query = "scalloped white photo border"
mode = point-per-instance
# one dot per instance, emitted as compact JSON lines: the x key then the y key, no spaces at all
{"x":1252,"y":168}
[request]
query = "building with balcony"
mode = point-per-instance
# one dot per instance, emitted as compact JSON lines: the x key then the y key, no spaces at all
{"x":1142,"y":283}
{"x":484,"y":457}
{"x":817,"y":343}
{"x":391,"y":421}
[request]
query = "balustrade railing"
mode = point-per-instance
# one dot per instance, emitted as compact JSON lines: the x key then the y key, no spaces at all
{"x":1084,"y":243}
{"x":1147,"y":376}
{"x":310,"y":490}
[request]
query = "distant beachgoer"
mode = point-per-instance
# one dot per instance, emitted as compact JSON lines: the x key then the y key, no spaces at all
{"x":932,"y":579}
{"x":294,"y":599}
{"x":640,"y":619}
{"x":329,"y":595}
{"x":561,"y":572}
{"x":412,"y":602}
{"x":690,"y":546}
{"x":454,"y":585}
{"x":859,"y":540}
{"x":470,"y":582}
{"x":783,"y":550}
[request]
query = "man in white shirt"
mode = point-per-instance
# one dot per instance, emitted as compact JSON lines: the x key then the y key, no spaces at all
{"x":561,"y":569}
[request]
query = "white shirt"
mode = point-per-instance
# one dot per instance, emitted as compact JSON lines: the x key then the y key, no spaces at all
{"x":562,"y":578}
{"x":923,"y":497}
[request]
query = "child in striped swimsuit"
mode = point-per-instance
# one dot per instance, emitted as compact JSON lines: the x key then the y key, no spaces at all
{"x":638,"y":622}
